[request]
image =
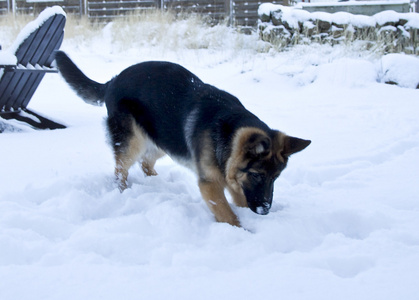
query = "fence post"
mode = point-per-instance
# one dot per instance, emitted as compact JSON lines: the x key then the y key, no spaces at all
{"x":13,"y":6}
{"x":228,"y":7}
{"x":85,"y":7}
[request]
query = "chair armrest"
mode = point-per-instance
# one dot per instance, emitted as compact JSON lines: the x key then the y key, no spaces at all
{"x":34,"y":68}
{"x":7,"y":59}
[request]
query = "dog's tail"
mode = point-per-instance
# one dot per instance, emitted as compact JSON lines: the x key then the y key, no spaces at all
{"x":90,"y":91}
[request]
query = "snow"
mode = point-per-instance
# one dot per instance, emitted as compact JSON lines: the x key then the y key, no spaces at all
{"x":345,"y":216}
{"x":294,"y":15}
{"x":400,"y":68}
{"x":7,"y":58}
{"x":32,"y":26}
{"x":354,"y":3}
{"x":387,"y":16}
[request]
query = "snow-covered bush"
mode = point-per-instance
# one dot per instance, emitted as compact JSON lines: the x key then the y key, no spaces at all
{"x":388,"y":30}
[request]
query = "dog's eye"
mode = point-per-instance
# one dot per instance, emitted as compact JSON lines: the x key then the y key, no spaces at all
{"x":257,"y":177}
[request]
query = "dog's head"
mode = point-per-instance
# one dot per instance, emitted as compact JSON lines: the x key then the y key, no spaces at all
{"x":256,"y":161}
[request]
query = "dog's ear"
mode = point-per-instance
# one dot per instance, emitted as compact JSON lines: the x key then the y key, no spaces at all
{"x":293,"y":145}
{"x":258,"y":144}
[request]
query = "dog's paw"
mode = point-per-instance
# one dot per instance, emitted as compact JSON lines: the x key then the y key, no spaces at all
{"x":148,"y":171}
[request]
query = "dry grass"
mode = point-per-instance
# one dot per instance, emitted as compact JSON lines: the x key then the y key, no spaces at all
{"x":11,"y":26}
{"x":154,"y":28}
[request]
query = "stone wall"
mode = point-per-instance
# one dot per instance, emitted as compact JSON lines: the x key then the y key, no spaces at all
{"x":392,"y":31}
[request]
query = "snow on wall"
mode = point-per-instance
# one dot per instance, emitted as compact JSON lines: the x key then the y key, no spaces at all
{"x":395,"y":32}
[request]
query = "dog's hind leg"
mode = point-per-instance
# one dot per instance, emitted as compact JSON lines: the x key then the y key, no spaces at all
{"x":123,"y":162}
{"x":149,"y":161}
{"x":128,"y":143}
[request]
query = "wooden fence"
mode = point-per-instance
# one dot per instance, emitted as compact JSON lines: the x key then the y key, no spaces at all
{"x":237,"y":12}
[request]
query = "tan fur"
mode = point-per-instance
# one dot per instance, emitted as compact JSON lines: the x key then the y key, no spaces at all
{"x":207,"y":166}
{"x":212,"y":188}
{"x":213,"y":194}
{"x":238,"y":198}
{"x":237,"y":158}
{"x":124,"y":160}
{"x":137,"y":150}
{"x":212,"y":183}
{"x":234,"y":177}
{"x":246,"y":163}
{"x":149,"y":158}
{"x":148,"y":168}
{"x":278,"y":145}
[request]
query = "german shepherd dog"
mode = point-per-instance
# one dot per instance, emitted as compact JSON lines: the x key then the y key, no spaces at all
{"x":158,"y":107}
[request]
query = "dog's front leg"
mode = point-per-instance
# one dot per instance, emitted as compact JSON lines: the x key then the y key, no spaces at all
{"x":238,"y":198}
{"x":213,"y":194}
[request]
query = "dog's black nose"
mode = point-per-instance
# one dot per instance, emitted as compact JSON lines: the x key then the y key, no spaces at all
{"x":261,"y":209}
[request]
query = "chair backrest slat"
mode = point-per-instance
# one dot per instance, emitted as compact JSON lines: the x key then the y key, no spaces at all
{"x":27,"y":93}
{"x":4,"y":80}
{"x":17,"y":88}
{"x":8,"y":85}
{"x":52,"y":38}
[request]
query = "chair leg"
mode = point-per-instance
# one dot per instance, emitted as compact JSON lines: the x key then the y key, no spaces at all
{"x":35,"y":120}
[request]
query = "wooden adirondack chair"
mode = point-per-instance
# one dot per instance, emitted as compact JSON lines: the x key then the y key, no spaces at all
{"x":34,"y":53}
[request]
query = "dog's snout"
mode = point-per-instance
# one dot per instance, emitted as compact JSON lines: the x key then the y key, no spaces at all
{"x":260,"y":208}
{"x":263,"y":210}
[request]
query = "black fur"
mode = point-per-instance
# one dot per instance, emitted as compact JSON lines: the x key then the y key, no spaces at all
{"x":165,"y":105}
{"x":160,"y":96}
{"x":90,"y":91}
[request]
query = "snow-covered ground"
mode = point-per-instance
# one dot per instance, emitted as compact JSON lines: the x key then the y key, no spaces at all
{"x":345,"y":218}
